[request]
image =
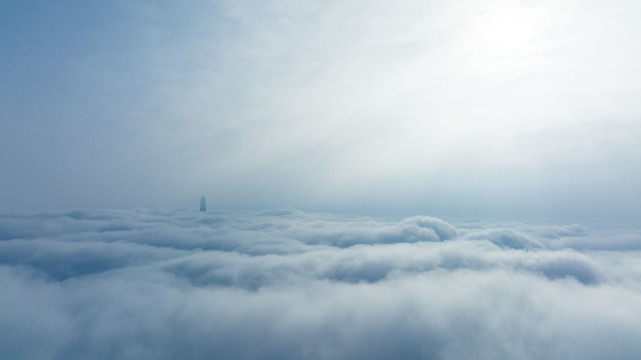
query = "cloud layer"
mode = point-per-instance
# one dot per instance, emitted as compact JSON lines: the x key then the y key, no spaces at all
{"x":284,"y":284}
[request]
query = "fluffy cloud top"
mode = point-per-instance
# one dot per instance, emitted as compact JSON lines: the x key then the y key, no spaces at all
{"x":284,"y":284}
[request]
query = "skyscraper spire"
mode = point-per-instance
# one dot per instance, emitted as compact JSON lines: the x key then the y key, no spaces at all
{"x":203,"y":204}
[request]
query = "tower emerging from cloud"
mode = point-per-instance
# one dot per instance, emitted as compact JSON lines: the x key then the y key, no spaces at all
{"x":203,"y":204}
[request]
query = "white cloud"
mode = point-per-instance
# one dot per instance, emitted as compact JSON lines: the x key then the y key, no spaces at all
{"x":288,"y":284}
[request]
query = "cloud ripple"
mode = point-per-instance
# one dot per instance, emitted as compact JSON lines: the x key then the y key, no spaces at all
{"x":284,"y":284}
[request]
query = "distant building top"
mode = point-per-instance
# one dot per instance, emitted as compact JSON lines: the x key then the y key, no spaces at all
{"x":203,"y":204}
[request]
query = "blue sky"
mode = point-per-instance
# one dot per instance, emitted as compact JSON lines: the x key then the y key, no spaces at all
{"x":524,"y":109}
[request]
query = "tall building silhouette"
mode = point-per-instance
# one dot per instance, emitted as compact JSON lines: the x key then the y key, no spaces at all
{"x":203,"y":204}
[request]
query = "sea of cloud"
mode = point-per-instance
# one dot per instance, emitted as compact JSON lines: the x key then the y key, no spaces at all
{"x":285,"y":284}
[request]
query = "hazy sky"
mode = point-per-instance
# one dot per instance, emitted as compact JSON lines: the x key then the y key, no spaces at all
{"x":448,"y":108}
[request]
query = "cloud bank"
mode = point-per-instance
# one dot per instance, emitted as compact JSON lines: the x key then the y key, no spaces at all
{"x":284,"y":284}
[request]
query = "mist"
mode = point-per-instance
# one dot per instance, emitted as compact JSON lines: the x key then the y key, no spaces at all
{"x":519,"y":110}
{"x":141,"y":284}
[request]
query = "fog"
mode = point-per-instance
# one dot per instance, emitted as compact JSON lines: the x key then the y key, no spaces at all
{"x":143,"y":284}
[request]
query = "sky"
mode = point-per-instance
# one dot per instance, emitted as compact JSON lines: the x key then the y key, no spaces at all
{"x":486,"y":110}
